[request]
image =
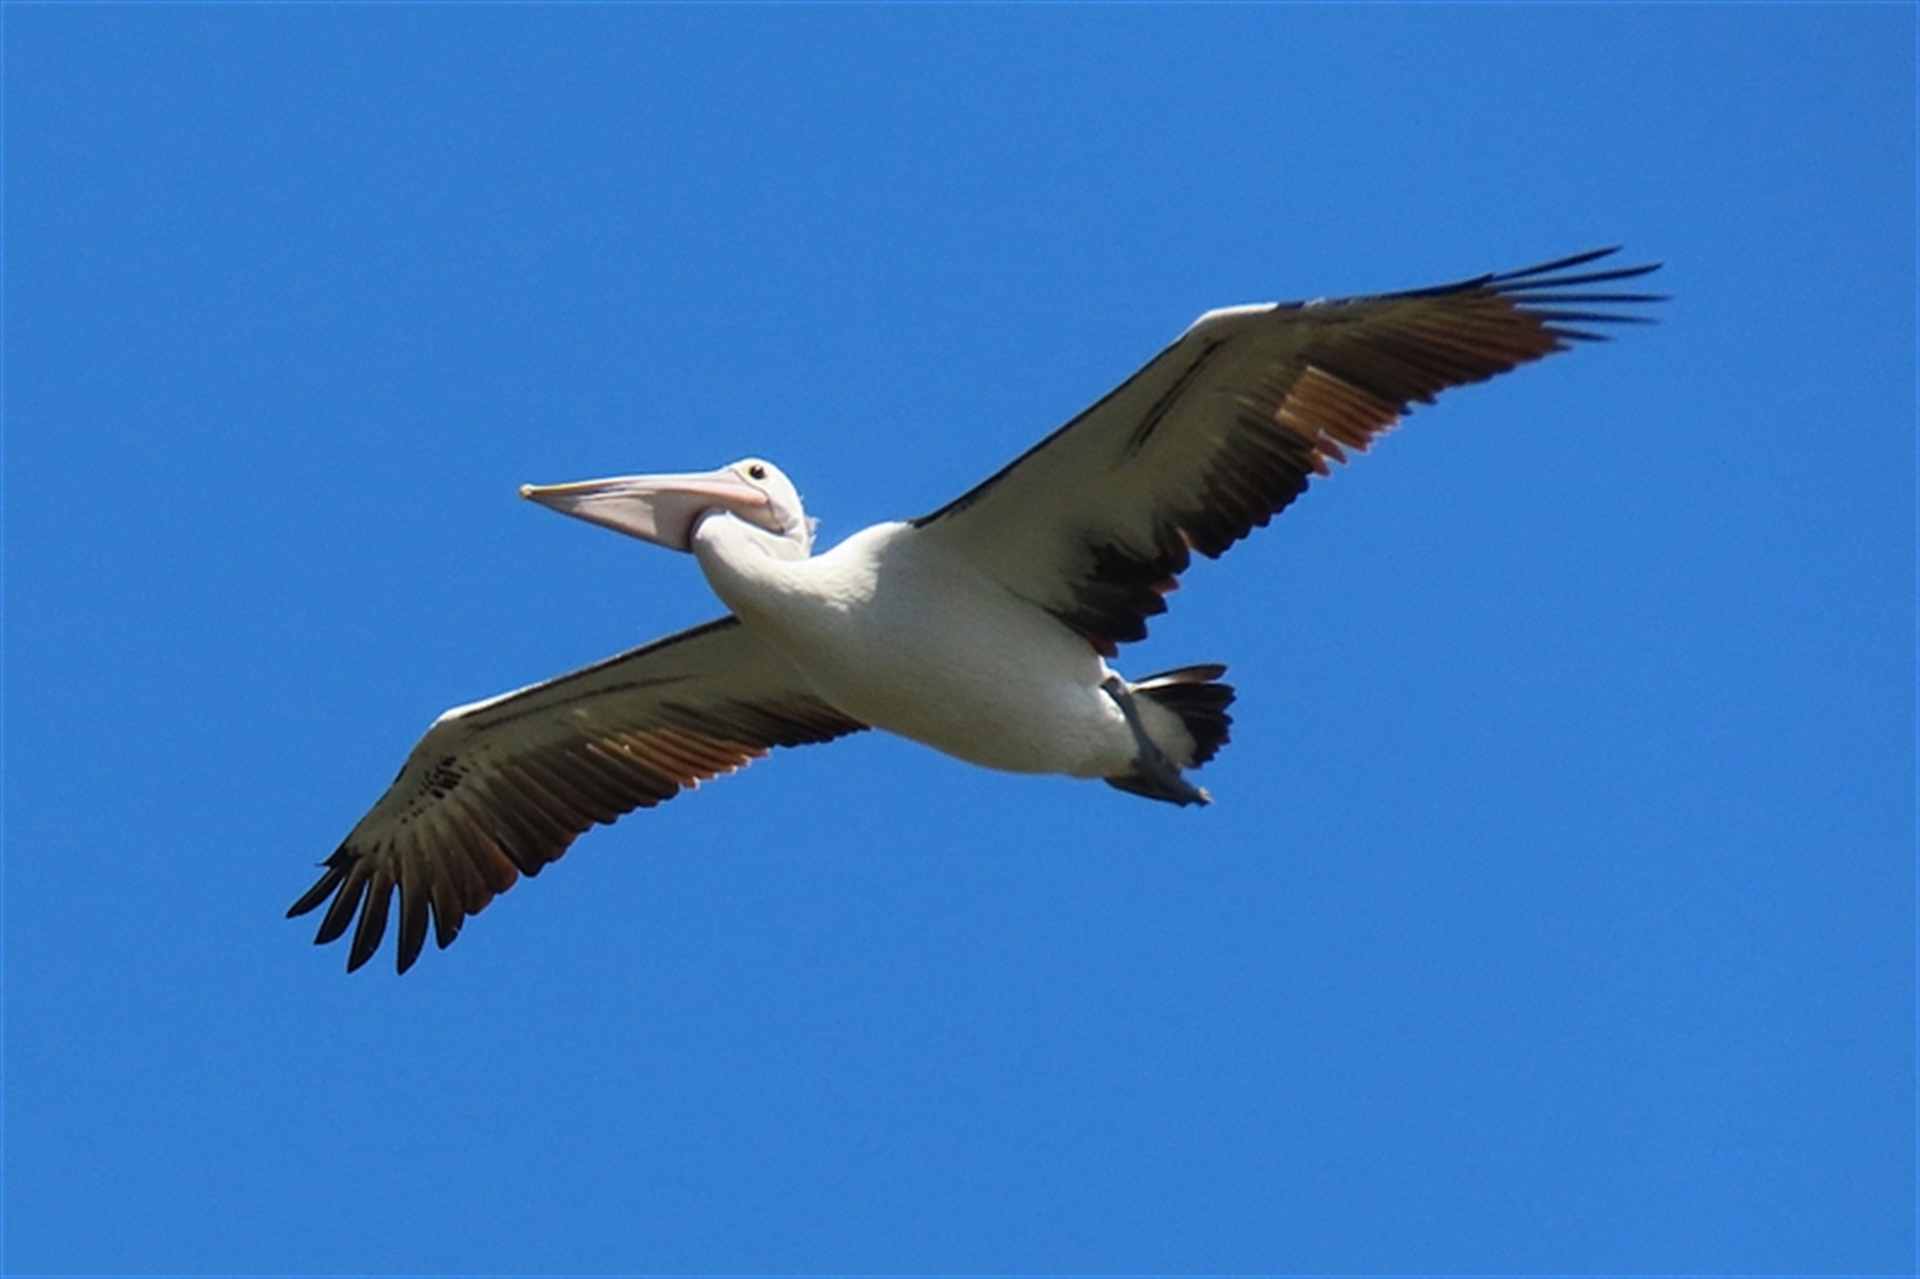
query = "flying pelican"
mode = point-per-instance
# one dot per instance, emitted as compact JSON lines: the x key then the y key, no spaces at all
{"x":980,"y":630}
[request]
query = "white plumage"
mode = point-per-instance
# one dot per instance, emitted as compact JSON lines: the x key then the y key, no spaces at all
{"x":902,"y":633}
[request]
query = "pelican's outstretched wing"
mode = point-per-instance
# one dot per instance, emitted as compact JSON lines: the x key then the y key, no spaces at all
{"x":500,"y":788}
{"x":1220,"y":431}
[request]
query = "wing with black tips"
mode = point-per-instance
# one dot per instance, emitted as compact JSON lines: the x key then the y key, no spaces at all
{"x":1223,"y":429}
{"x":499,"y":789}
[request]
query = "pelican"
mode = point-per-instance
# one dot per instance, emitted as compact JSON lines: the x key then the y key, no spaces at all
{"x":982,"y":629}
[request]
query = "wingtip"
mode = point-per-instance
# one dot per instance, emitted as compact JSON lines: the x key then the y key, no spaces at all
{"x":1572,"y":260}
{"x":334,"y":872}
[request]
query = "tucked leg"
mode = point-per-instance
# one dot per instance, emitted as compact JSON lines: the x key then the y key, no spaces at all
{"x":1154,"y":775}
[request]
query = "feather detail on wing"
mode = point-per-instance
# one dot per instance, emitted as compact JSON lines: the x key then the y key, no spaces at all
{"x":499,"y":789}
{"x":1221,"y":431}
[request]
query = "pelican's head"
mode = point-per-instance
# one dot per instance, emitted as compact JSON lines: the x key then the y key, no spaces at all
{"x":665,"y":509}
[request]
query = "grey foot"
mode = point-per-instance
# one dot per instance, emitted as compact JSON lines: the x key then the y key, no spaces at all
{"x":1153,"y":775}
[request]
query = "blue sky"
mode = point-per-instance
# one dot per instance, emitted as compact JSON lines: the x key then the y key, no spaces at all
{"x":1556,"y":912}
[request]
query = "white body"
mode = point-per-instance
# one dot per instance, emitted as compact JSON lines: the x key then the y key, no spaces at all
{"x":907,"y":638}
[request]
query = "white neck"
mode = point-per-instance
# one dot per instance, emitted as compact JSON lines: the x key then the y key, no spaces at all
{"x":744,"y":562}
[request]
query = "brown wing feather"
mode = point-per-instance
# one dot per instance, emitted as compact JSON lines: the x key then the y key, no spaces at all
{"x":1222,"y":431}
{"x":501,"y":789}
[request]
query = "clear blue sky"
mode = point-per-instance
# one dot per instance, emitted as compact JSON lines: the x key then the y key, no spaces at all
{"x":1556,"y":911}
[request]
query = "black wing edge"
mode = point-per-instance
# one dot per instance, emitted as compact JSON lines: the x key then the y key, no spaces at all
{"x":1542,"y":291}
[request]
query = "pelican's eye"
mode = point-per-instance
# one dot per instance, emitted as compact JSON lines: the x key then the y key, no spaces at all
{"x":757,"y":472}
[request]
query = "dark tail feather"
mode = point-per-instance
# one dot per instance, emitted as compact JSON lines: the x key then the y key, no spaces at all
{"x":1193,"y":694}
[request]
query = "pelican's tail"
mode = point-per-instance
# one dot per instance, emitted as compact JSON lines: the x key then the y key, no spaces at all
{"x":1192,"y":696}
{"x":1193,"y":693}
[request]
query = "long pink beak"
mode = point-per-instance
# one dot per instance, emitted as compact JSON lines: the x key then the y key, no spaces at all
{"x":660,"y":508}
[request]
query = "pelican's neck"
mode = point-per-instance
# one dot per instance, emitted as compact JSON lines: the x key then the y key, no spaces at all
{"x":744,"y":562}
